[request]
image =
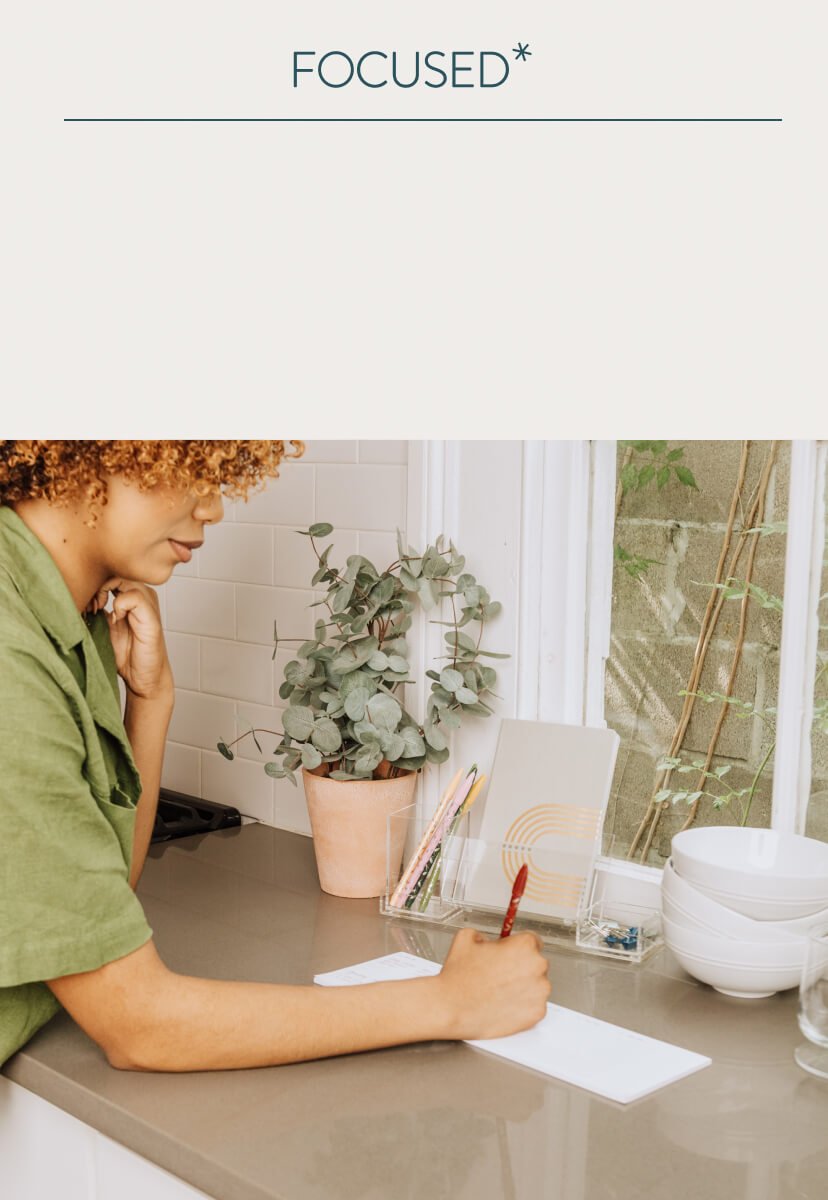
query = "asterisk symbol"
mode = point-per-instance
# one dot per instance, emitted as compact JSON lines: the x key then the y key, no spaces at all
{"x":521,"y":50}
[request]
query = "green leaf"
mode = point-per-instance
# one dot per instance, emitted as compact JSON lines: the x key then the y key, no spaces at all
{"x":384,"y":711}
{"x":395,"y":748}
{"x":341,"y":776}
{"x":355,"y":703}
{"x":366,"y":733}
{"x":319,"y":631}
{"x":629,"y":477}
{"x":492,"y":610}
{"x":450,"y":679}
{"x":427,"y":594}
{"x":414,"y":744}
{"x":663,"y":795}
{"x":450,"y":718}
{"x":326,"y":736}
{"x":435,"y":738}
{"x":657,"y":447}
{"x":342,"y":597}
{"x":311,"y":758}
{"x":397,"y":663}
{"x":461,"y":640}
{"x":298,"y":722}
{"x":378,"y":661}
{"x":663,"y":476}
{"x":225,"y":750}
{"x":367,"y":759}
{"x":436,"y":756}
{"x":274,"y":770}
{"x":466,"y":695}
{"x":645,"y":475}
{"x":675,"y":454}
{"x":320,"y":529}
{"x":685,"y":475}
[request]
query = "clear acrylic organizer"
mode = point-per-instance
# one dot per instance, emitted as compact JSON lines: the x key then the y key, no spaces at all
{"x":438,"y":899}
{"x":473,"y":888}
{"x":627,"y":932}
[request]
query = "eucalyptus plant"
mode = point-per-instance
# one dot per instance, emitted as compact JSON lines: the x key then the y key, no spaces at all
{"x":346,"y":711}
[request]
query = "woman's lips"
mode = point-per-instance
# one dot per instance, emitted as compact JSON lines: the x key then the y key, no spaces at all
{"x":184,"y":550}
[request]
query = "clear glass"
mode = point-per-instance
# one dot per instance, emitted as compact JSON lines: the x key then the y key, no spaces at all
{"x":813,"y":1005}
{"x":677,"y":519}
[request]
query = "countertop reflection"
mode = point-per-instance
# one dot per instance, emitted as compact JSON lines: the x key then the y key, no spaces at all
{"x":438,"y":1119}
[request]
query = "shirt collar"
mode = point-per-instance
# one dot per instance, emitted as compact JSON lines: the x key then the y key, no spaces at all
{"x":37,"y":578}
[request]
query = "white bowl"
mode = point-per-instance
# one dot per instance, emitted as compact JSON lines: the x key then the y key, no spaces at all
{"x":684,"y":900}
{"x":758,"y":955}
{"x":754,"y":864}
{"x":765,"y":909}
{"x":748,"y":983}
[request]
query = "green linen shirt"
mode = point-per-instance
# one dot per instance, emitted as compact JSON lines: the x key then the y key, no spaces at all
{"x":68,"y":790}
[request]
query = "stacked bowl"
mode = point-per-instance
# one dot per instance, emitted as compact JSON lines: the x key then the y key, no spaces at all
{"x":737,"y":905}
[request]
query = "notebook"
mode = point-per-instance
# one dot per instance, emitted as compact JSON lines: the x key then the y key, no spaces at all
{"x":545,"y":807}
{"x":602,"y":1058}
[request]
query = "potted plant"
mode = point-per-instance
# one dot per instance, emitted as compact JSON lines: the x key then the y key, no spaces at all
{"x":346,"y":724}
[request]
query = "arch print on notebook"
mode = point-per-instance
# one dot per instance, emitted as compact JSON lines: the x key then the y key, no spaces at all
{"x":545,"y":807}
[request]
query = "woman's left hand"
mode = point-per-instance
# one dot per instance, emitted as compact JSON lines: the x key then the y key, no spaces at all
{"x":137,"y":638}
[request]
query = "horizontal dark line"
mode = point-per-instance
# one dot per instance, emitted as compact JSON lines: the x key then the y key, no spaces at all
{"x":549,"y":120}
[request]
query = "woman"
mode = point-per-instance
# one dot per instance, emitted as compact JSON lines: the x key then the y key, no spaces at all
{"x":79,"y":784}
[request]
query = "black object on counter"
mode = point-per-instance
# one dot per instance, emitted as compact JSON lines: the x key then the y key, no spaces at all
{"x":179,"y":815}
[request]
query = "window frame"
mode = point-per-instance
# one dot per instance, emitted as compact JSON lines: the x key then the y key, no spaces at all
{"x":563,"y":570}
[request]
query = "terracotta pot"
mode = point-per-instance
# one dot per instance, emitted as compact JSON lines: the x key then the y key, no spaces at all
{"x":349,"y":825}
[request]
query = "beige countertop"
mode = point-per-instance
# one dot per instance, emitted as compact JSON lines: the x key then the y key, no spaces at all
{"x":439,"y":1119}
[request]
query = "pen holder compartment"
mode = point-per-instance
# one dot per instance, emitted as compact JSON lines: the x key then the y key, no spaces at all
{"x":429,"y":889}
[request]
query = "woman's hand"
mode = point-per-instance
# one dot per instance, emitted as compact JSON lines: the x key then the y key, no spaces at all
{"x":494,"y":988}
{"x":137,"y":638}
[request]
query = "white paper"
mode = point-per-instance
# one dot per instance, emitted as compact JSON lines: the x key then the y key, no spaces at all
{"x":606,"y":1059}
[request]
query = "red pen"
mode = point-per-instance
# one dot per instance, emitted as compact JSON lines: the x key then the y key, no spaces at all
{"x":517,"y":891}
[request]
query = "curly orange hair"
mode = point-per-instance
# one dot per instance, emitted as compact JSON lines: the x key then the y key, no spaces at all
{"x":61,"y":471}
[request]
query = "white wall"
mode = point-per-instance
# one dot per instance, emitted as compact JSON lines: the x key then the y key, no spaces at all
{"x":219,"y":611}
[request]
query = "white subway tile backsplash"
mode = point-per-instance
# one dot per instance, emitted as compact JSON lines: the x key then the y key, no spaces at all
{"x":259,"y":607}
{"x":375,"y":451}
{"x":379,"y":548}
{"x":241,"y":783}
{"x":330,"y":452}
{"x":361,"y":497}
{"x":200,"y":720}
{"x":294,"y":561}
{"x":239,"y":553}
{"x":288,"y":500}
{"x":201,"y":606}
{"x":183,"y":654}
{"x":236,"y":669}
{"x":290,"y":810}
{"x":182,"y":769}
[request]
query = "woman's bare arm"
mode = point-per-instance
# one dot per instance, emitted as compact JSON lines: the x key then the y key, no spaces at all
{"x":148,"y":1018}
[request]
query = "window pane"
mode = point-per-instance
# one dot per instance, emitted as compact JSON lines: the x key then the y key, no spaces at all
{"x":817,"y":819}
{"x":680,"y":509}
